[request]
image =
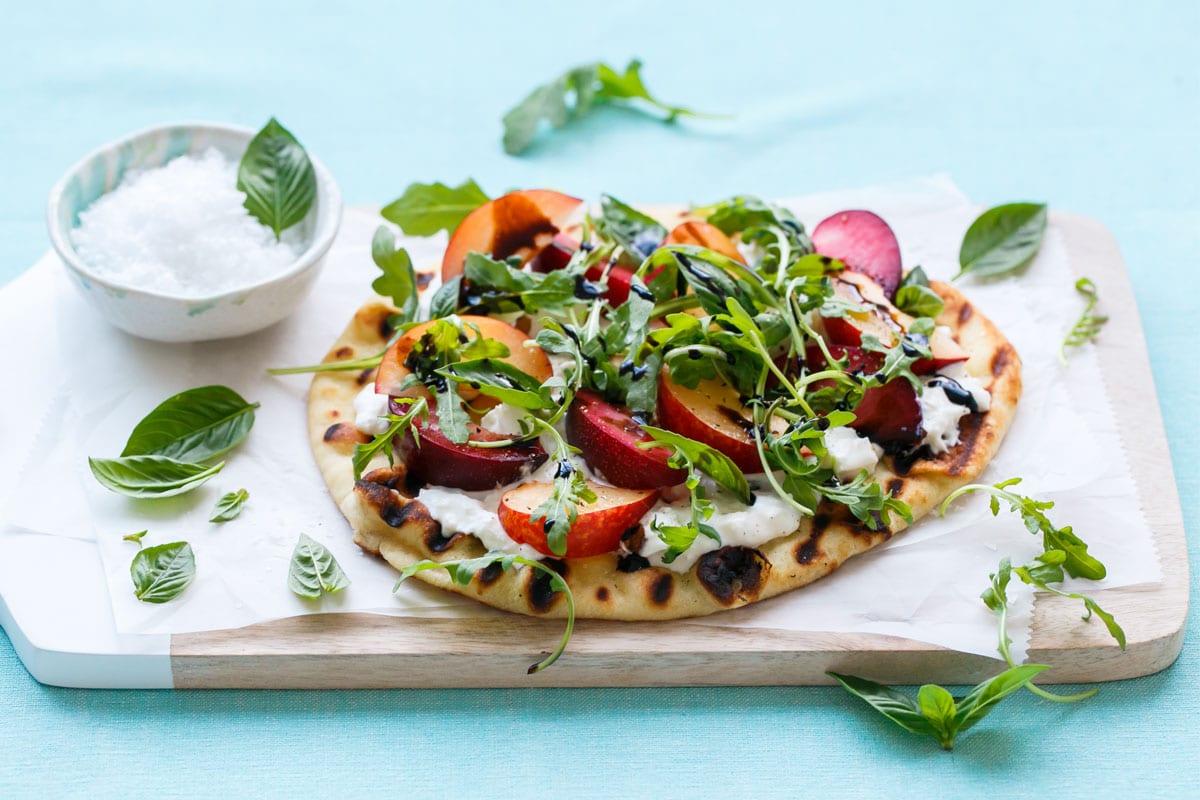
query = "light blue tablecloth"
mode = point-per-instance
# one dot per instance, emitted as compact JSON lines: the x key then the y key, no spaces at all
{"x":1092,"y":107}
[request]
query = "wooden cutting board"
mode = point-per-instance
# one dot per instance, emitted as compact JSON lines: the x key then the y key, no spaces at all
{"x":361,"y":650}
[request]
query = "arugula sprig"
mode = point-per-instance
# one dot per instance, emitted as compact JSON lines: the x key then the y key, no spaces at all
{"x":697,"y":459}
{"x":463,"y":570}
{"x":1088,"y":326}
{"x":416,"y":408}
{"x":560,"y":510}
{"x":574,"y":94}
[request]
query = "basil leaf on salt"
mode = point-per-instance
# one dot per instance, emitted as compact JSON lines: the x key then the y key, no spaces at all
{"x":277,"y":177}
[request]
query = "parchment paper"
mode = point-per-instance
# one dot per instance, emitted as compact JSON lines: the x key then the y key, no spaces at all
{"x":90,"y":383}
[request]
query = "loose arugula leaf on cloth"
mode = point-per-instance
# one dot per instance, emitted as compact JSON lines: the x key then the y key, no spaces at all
{"x":398,"y":281}
{"x":426,"y":208}
{"x":162,"y":572}
{"x":229,"y":506}
{"x":936,"y":712}
{"x":1002,"y":240}
{"x":463,"y":570}
{"x":1078,"y":563}
{"x":1088,"y":326}
{"x":195,"y":425}
{"x":314,"y":571}
{"x":573,"y":95}
{"x":151,"y":476}
{"x":277,"y":177}
{"x":136,"y":538}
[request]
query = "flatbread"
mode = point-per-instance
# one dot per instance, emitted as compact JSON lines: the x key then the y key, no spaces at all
{"x":388,"y":521}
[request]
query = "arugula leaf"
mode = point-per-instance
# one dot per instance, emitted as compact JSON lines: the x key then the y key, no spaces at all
{"x":195,"y":425}
{"x":1088,"y":326}
{"x":501,"y":380}
{"x":452,"y":417}
{"x":277,"y":177}
{"x":936,"y":712}
{"x":708,"y":460}
{"x":914,"y":296}
{"x":445,"y":299}
{"x":150,"y":476}
{"x":229,"y":506}
{"x":463,"y":570}
{"x":640,"y":235}
{"x":573,"y":95}
{"x":1002,"y":239}
{"x":1049,"y":570}
{"x":135,"y":537}
{"x":398,"y":281}
{"x":162,"y":572}
{"x":426,"y":208}
{"x":382,"y":443}
{"x":500,"y":286}
{"x":314,"y":571}
{"x":570,"y":489}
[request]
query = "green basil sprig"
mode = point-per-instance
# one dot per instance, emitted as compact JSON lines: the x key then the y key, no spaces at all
{"x":169,"y":451}
{"x":229,"y":506}
{"x":277,"y":177}
{"x":314,"y":571}
{"x":914,"y":296}
{"x":1002,"y":239}
{"x":426,"y":208}
{"x":574,"y":94}
{"x":162,"y":572}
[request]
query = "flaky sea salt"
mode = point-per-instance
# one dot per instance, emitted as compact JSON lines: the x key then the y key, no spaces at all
{"x":181,"y":229}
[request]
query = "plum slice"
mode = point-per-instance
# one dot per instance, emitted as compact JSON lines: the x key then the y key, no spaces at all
{"x":864,"y":243}
{"x":609,"y":437}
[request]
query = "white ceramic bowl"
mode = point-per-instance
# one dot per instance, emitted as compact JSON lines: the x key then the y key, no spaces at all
{"x":160,"y":316}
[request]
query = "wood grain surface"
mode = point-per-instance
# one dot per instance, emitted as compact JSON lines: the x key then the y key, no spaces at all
{"x":373,"y":651}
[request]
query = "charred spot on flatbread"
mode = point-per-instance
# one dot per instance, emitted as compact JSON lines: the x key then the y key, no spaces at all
{"x":343,"y":433}
{"x":808,"y":550}
{"x":537,"y":588}
{"x":660,"y":588}
{"x":489,"y":574}
{"x":602,"y":594}
{"x":365,"y":376}
{"x":733,"y":574}
{"x":1001,"y":359}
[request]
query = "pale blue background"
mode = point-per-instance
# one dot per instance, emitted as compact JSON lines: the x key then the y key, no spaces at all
{"x":1093,"y":107}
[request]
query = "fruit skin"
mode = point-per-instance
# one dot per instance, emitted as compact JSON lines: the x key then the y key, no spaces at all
{"x":702,"y":234}
{"x":888,"y":414}
{"x":556,"y":255}
{"x":518,"y":223}
{"x":864,"y":243}
{"x":712,"y":414}
{"x":474,"y":469}
{"x":608,"y":437}
{"x":598,"y":528}
{"x":531,"y":360}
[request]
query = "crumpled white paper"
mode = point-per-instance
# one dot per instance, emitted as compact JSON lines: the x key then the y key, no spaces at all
{"x":92,"y":383}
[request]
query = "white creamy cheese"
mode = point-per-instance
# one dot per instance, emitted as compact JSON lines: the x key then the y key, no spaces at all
{"x":850,"y":452}
{"x":369,"y":410}
{"x":747,"y":526}
{"x":504,"y":420}
{"x":958,"y":373}
{"x":939,"y":418}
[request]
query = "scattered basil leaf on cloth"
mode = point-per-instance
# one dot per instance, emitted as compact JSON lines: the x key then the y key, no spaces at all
{"x":229,"y":506}
{"x":426,"y":208}
{"x":574,"y":94}
{"x":398,"y":281}
{"x":936,"y":712}
{"x":151,"y":476}
{"x":463,"y":570}
{"x":1088,"y":326}
{"x":314,"y":571}
{"x":1002,"y":239}
{"x":136,"y":538}
{"x":162,"y":572}
{"x":195,"y":425}
{"x":277,"y":177}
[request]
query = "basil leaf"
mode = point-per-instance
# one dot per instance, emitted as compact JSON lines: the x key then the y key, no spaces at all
{"x":1002,"y":239}
{"x":711,"y":462}
{"x":638,"y":233}
{"x":162,"y":572}
{"x":426,"y":208}
{"x":150,"y":476}
{"x":229,"y":506}
{"x":980,"y":700}
{"x":445,"y":299}
{"x":919,"y":301}
{"x":277,"y":177}
{"x":937,"y":706}
{"x":897,"y":707}
{"x":314,"y":571}
{"x":196,"y":425}
{"x":398,"y":280}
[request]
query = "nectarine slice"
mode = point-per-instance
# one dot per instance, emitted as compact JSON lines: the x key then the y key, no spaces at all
{"x":518,"y":223}
{"x":702,"y":234}
{"x":609,"y":437}
{"x":598,"y":528}
{"x":713,"y":414}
